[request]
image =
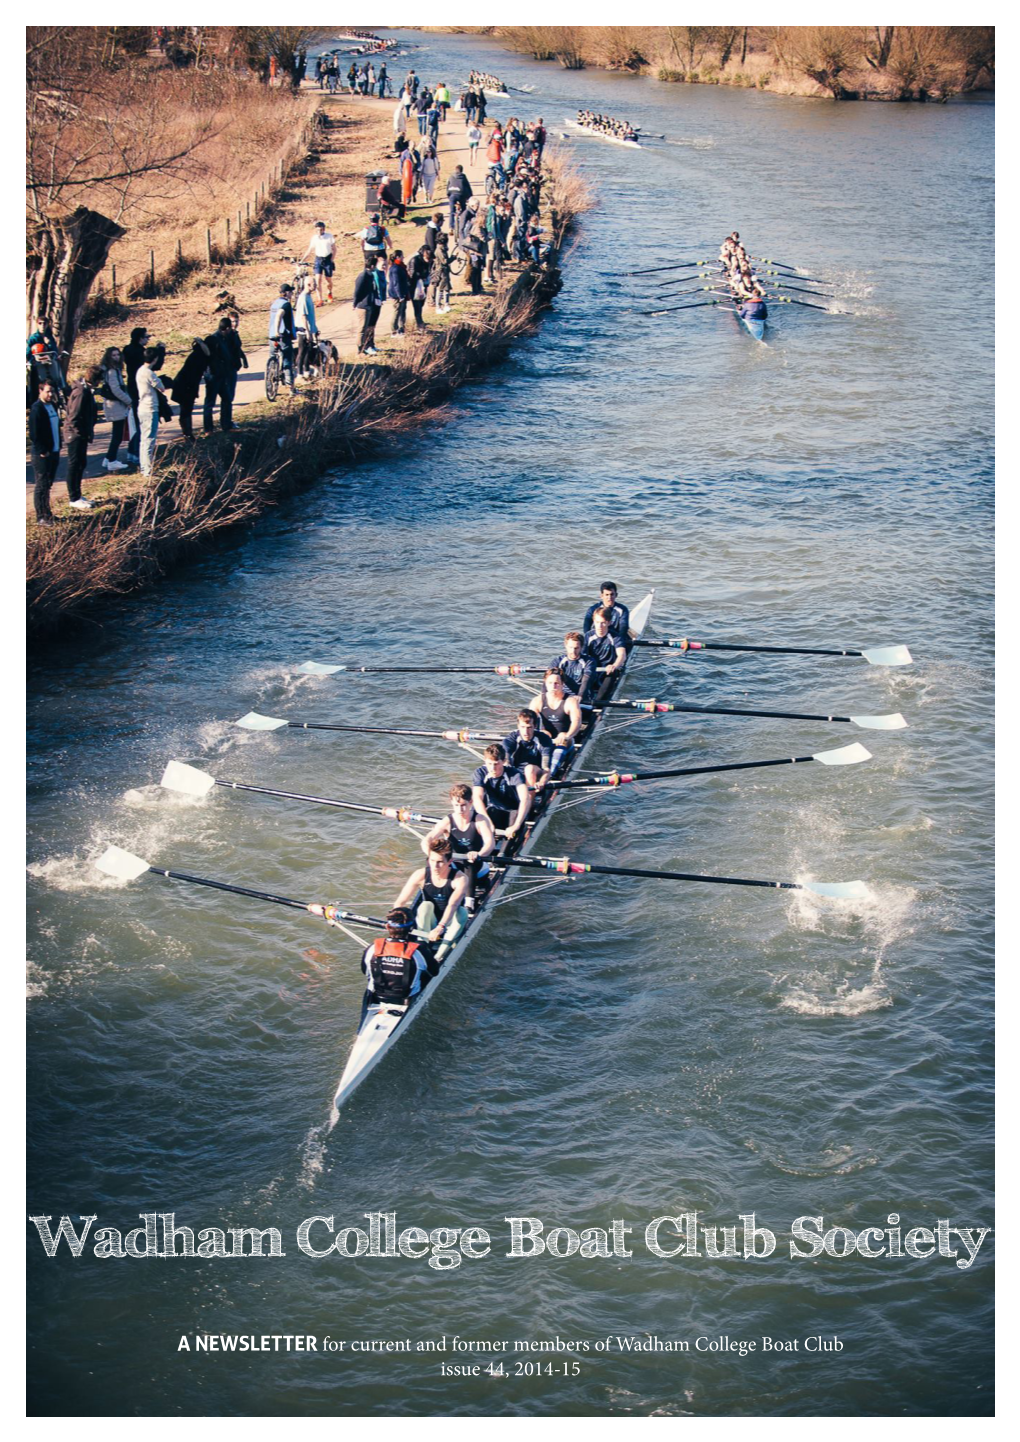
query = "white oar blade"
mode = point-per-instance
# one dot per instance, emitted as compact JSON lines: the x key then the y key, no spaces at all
{"x":187,"y":779}
{"x":315,"y":668}
{"x":122,"y":864}
{"x":845,"y":756}
{"x":892,"y":722}
{"x":254,"y":722}
{"x":838,"y":890}
{"x":888,"y":656}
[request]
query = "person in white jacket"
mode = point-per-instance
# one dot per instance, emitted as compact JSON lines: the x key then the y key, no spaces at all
{"x":116,"y":406}
{"x":150,"y":388}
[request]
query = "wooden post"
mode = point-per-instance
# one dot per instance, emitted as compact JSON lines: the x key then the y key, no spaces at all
{"x":247,"y":210}
{"x":152,"y":270}
{"x":180,"y":252}
{"x":208,"y":245}
{"x":227,"y":223}
{"x":239,"y":230}
{"x":113,"y":281}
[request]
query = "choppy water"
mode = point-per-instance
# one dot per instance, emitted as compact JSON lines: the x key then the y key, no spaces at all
{"x":611,"y":1049}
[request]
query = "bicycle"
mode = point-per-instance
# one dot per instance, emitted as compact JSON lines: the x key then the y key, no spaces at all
{"x":278,"y":368}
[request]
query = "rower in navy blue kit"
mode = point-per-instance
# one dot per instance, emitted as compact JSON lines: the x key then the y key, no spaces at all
{"x":500,"y":795}
{"x":605,"y":650}
{"x":528,"y":751}
{"x":619,"y":615}
{"x":577,"y":669}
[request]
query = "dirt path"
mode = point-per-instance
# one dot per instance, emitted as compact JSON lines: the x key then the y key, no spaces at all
{"x":358,"y":140}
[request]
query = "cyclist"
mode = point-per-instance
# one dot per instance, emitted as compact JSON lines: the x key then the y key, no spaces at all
{"x":281,"y":330}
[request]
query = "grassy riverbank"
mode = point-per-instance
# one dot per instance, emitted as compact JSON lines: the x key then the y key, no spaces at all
{"x":842,"y":62}
{"x":144,"y":527}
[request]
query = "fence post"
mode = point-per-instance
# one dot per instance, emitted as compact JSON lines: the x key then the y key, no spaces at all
{"x":228,"y":232}
{"x":113,"y":281}
{"x":152,"y":271}
{"x":208,"y":245}
{"x":239,"y":231}
{"x":180,"y":252}
{"x":247,"y":211}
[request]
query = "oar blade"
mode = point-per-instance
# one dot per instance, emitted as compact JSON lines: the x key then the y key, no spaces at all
{"x":888,"y":656}
{"x":253,"y":721}
{"x":124,"y":865}
{"x":837,"y":890}
{"x":316,"y":668}
{"x":845,"y":756}
{"x":188,"y":780}
{"x":893,"y":722}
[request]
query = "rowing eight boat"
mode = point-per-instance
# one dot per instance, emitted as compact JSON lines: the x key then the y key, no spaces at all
{"x":383,"y":1022}
{"x":603,"y":135}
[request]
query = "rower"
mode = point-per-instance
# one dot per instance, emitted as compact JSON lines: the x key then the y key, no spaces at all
{"x":396,"y":968}
{"x":471,"y":836}
{"x":577,"y":669}
{"x":619,"y":615}
{"x":500,"y":795}
{"x":560,"y":715}
{"x":435,"y":893}
{"x":606,"y":651}
{"x":527,"y":751}
{"x":754,"y":307}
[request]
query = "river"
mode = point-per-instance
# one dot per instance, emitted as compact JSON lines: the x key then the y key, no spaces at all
{"x":611,"y":1048}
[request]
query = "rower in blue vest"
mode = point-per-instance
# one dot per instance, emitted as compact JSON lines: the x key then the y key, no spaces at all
{"x":754,"y":307}
{"x":600,"y":646}
{"x":619,"y":615}
{"x":500,"y":795}
{"x":577,"y":669}
{"x":528,"y":752}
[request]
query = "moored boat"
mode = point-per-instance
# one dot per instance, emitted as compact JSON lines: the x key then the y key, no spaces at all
{"x":383,"y":1023}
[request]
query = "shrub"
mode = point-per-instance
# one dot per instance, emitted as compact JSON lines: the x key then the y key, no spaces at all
{"x":671,"y":77}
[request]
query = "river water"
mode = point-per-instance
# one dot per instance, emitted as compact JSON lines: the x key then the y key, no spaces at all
{"x":610,"y":1048}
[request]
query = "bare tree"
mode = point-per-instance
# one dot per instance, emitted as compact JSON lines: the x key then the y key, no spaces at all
{"x":259,"y":43}
{"x":102,"y":139}
{"x":878,"y":57}
{"x":822,"y":52}
{"x":689,"y":44}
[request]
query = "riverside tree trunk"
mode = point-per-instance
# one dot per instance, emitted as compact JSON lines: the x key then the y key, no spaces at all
{"x":65,"y":254}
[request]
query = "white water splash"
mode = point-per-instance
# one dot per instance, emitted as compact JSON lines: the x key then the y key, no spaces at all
{"x":313,"y":1156}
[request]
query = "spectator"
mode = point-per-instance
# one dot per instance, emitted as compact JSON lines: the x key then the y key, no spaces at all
{"x":458,"y":190}
{"x":79,"y":428}
{"x":418,"y":275}
{"x":477,"y":249}
{"x":443,"y":97}
{"x":44,"y":431}
{"x":439,"y":279}
{"x":307,"y":328}
{"x":185,"y":385}
{"x":474,"y":138}
{"x":150,"y":388}
{"x":118,"y":405}
{"x":407,"y":177}
{"x":382,"y":80}
{"x":399,"y":118}
{"x":133,"y":355}
{"x":433,"y":229}
{"x":369,"y":296}
{"x":225,"y":360}
{"x":281,"y":330}
{"x":429,"y":172}
{"x":323,"y":246}
{"x":421,"y":106}
{"x":398,"y":288}
{"x":375,"y":239}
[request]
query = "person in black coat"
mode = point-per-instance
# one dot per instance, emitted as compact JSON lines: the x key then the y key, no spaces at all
{"x":133,"y":354}
{"x":369,"y":296}
{"x":225,"y":360}
{"x":185,"y":385}
{"x":44,"y":433}
{"x":458,"y":189}
{"x":79,"y":428}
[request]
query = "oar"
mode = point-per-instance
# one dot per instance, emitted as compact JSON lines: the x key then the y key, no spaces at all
{"x":770,"y":260}
{"x":891,"y":722}
{"x":874,"y":655}
{"x":315,"y":668}
{"x":800,"y":289}
{"x":785,"y":300}
{"x":191,"y":782}
{"x":254,"y":722}
{"x":839,"y":890}
{"x":845,"y":756}
{"x":654,"y":269}
{"x":125,"y":866}
{"x":667,"y":310}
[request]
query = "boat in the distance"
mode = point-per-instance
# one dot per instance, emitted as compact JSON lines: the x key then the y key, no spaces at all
{"x":384,"y":1023}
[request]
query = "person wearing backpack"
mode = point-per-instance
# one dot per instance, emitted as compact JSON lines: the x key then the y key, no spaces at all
{"x":117,"y":407}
